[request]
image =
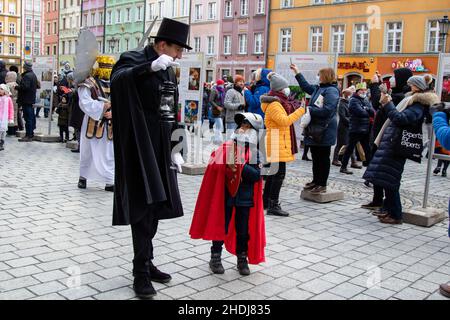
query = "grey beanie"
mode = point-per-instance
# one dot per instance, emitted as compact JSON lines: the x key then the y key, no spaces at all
{"x":418,"y":81}
{"x":27,"y":65}
{"x":277,"y":81}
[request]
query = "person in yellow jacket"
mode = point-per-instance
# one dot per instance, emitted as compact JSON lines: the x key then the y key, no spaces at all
{"x":281,"y":145}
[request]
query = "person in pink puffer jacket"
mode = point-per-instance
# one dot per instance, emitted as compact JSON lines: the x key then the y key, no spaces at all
{"x":6,"y":113}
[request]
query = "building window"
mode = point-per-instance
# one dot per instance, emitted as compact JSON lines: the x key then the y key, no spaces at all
{"x":244,"y":7}
{"x":318,"y":1}
{"x":173,"y":8}
{"x":1,"y":27}
{"x":242,"y":43}
{"x":212,"y":10}
{"x":258,"y":43}
{"x":54,"y":9}
{"x":63,"y":45}
{"x":226,"y":45}
{"x":435,"y":43}
{"x":161,"y":9}
{"x":37,"y":6}
{"x":286,"y":3}
{"x":394,"y":37}
{"x":316,"y":39}
{"x":197,"y":44}
{"x":12,"y":28}
{"x":100,"y":18}
{"x":48,"y":28}
{"x":286,"y":40}
{"x":185,"y":8}
{"x":36,"y":49}
{"x":28,"y":24}
{"x":260,"y":6}
{"x":93,"y":19}
{"x":118,"y":16}
{"x":151,"y":11}
{"x":109,"y":17}
{"x":139,"y":13}
{"x":361,"y":42}
{"x":338,"y":38}
{"x":198,"y":11}
{"x":54,"y":27}
{"x":1,"y":47}
{"x":12,"y":48}
{"x":28,"y":5}
{"x":69,"y":44}
{"x":48,"y":10}
{"x":210,"y":45}
{"x":85,"y":20}
{"x":12,"y":8}
{"x":127,"y":44}
{"x":54,"y":50}
{"x":127,"y":14}
{"x":1,"y":6}
{"x":228,"y":9}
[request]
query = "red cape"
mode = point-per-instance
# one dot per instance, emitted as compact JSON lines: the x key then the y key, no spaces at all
{"x":208,"y":222}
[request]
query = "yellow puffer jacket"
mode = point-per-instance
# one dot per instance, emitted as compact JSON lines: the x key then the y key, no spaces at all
{"x":278,"y":122}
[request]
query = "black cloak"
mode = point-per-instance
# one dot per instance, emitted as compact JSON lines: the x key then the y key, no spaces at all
{"x":145,"y":180}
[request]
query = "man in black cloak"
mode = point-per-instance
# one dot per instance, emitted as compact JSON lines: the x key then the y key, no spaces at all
{"x":146,"y":186}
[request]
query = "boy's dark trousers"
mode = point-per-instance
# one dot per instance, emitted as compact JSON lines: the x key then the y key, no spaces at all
{"x":64,"y":130}
{"x":241,"y":225}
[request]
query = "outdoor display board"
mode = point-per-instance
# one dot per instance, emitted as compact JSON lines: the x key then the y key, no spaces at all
{"x":43,"y":67}
{"x":308,"y":63}
{"x":190,"y":77}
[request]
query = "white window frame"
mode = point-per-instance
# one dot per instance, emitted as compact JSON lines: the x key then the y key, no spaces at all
{"x":312,"y":35}
{"x":211,"y":45}
{"x":228,"y":10}
{"x":12,"y":45}
{"x":109,"y":17}
{"x":36,"y":48}
{"x":118,"y":16}
{"x":439,"y":42}
{"x":288,"y":38}
{"x":260,"y":7}
{"x":198,"y":12}
{"x":243,"y":8}
{"x":28,"y":27}
{"x":258,"y":42}
{"x":212,"y":10}
{"x":128,"y":14}
{"x":12,"y":5}
{"x":286,"y":4}
{"x":317,"y":2}
{"x":227,"y":45}
{"x":197,"y":44}
{"x":363,"y":33}
{"x":340,"y":41}
{"x":386,"y":37}
{"x":139,"y":11}
{"x":242,"y":46}
{"x":12,"y":26}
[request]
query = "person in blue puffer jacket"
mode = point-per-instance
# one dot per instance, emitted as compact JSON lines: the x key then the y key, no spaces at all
{"x":442,"y":130}
{"x":261,"y":87}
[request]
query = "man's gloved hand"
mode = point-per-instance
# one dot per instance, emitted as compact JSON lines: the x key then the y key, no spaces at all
{"x":440,"y":107}
{"x":177,"y":160}
{"x":163,"y":62}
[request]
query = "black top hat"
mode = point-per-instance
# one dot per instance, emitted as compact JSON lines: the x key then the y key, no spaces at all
{"x":174,"y":31}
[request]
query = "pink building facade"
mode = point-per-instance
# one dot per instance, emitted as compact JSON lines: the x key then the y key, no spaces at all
{"x":204,"y":33}
{"x":93,"y":17}
{"x":242,"y":37}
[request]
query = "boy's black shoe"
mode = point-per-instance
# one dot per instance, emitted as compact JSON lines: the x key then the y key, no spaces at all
{"x":242,"y":264}
{"x":215,"y":264}
{"x":143,"y":287}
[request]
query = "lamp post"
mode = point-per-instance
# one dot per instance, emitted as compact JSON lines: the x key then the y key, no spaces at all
{"x":444,"y":25}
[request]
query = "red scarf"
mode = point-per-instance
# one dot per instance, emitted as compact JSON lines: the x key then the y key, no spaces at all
{"x":288,"y":105}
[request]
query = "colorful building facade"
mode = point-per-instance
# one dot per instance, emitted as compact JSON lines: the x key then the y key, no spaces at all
{"x":69,"y":27}
{"x":51,"y":27}
{"x":124,"y":26}
{"x":368,"y":35}
{"x":32,"y":29}
{"x":93,"y":17}
{"x":204,"y":33}
{"x":242,"y":37}
{"x":10,"y":32}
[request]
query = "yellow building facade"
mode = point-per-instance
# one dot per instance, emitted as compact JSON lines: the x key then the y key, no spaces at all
{"x":370,"y":36}
{"x":10,"y":31}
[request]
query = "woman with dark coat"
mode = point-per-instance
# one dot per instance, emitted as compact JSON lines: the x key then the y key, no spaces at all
{"x":386,"y":168}
{"x":399,"y":88}
{"x":323,"y":109}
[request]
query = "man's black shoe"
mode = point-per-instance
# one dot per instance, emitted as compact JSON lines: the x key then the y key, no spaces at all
{"x":82,"y":183}
{"x":143,"y":287}
{"x":109,"y":188}
{"x":158,"y":276}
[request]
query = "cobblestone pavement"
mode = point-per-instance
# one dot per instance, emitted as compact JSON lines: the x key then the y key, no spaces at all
{"x":50,"y":231}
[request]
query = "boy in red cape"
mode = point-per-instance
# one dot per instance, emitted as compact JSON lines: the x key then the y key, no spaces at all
{"x":229,"y":207}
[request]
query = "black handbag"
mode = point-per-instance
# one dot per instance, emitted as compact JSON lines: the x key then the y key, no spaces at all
{"x":315,"y":131}
{"x":409,"y":143}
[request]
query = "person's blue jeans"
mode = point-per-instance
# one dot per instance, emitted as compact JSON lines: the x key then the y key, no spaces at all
{"x":30,"y":120}
{"x":393,"y":203}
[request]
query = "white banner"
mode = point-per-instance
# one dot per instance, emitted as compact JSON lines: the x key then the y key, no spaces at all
{"x":191,"y":78}
{"x":308,"y":63}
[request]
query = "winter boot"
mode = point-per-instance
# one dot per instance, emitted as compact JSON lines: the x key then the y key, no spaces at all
{"x":437,"y":170}
{"x":444,"y":173}
{"x":242,"y":264}
{"x":2,"y":143}
{"x":275,"y":209}
{"x":143,"y":287}
{"x":158,"y":276}
{"x":82,"y":183}
{"x":215,"y":264}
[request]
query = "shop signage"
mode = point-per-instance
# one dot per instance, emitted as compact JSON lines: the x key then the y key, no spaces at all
{"x":415,"y":65}
{"x":364,"y":66}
